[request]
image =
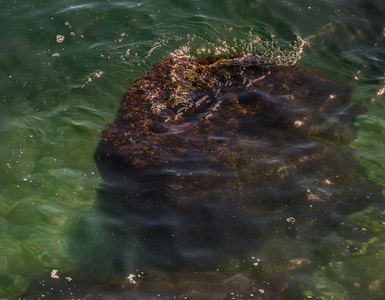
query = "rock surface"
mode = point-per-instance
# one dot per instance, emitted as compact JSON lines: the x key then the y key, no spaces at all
{"x":224,"y":144}
{"x":209,"y":105}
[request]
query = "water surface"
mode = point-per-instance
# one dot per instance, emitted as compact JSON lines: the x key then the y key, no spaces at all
{"x":63,"y":69}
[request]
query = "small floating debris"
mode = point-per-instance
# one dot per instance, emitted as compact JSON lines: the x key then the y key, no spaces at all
{"x":53,"y":274}
{"x":131,"y":278}
{"x":60,"y":38}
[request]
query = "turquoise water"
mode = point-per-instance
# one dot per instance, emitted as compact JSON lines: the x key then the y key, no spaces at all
{"x":64,"y":66}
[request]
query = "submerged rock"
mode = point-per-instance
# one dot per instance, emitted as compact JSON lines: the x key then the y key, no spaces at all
{"x":213,"y":162}
{"x":197,"y":140}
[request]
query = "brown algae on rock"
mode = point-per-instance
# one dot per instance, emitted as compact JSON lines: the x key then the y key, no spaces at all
{"x":186,"y":104}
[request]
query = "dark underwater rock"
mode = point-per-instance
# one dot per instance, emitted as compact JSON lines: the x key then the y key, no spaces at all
{"x":198,"y":138}
{"x":209,"y":159}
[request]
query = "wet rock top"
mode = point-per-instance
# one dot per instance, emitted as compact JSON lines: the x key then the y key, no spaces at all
{"x":212,"y":105}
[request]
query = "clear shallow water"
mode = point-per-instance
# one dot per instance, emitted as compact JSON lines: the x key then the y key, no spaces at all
{"x":56,"y":96}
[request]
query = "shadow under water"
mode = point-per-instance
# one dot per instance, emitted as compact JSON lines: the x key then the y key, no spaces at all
{"x":227,"y":173}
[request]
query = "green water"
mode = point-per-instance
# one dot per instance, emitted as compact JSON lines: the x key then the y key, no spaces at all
{"x":64,"y":66}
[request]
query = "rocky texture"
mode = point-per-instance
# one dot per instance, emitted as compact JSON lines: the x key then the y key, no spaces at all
{"x":197,"y":140}
{"x":209,"y":105}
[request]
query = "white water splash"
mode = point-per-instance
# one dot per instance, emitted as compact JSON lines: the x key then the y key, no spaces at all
{"x":273,"y":53}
